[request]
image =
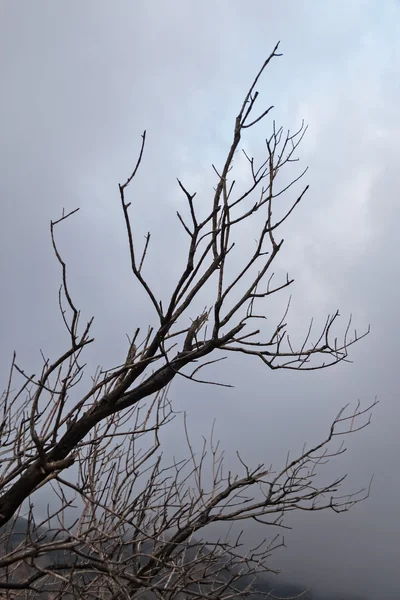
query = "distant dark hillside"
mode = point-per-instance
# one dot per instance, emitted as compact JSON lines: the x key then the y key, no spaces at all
{"x":13,"y":535}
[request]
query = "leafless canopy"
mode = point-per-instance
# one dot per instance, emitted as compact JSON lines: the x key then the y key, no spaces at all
{"x":141,"y":525}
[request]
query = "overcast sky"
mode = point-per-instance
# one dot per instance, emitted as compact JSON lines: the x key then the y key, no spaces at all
{"x":81,"y":80}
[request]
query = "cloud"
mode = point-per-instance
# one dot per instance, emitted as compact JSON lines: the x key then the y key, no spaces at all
{"x":81,"y":81}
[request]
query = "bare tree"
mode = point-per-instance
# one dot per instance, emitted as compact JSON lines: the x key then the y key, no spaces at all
{"x":143,"y":526}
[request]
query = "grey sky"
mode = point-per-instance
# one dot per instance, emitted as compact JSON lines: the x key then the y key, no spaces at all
{"x":80,"y":82}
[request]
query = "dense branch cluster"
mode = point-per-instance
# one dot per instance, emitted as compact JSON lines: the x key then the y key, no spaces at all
{"x":140,"y":530}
